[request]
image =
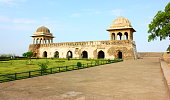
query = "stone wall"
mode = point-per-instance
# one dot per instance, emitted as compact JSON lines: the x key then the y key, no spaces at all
{"x":150,"y":54}
{"x":166,"y":57}
{"x":162,"y":55}
{"x":110,"y":49}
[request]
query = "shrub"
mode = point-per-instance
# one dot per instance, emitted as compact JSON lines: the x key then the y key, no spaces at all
{"x":97,"y":62}
{"x":68,"y":58}
{"x":28,"y":54}
{"x":79,"y":64}
{"x":168,"y":49}
{"x":43,"y":67}
{"x":4,"y":59}
{"x":119,"y":60}
{"x":109,"y":60}
{"x":60,"y":61}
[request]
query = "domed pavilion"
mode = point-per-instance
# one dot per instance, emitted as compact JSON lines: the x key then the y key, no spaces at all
{"x":120,"y":45}
{"x":121,"y":29}
{"x":42,"y":36}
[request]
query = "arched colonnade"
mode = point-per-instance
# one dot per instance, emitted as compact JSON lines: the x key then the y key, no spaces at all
{"x":84,"y":54}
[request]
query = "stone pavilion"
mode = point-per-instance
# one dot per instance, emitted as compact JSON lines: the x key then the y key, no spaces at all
{"x":120,"y":45}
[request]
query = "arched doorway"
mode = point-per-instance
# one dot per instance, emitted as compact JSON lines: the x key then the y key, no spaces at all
{"x":56,"y":54}
{"x":101,"y":55}
{"x":45,"y":54}
{"x":120,"y":56}
{"x":69,"y":54}
{"x":37,"y":41}
{"x":126,"y":36}
{"x":84,"y":54}
{"x":35,"y":55}
{"x":119,"y":36}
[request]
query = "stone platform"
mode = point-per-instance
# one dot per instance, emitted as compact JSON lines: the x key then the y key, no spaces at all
{"x":140,"y":79}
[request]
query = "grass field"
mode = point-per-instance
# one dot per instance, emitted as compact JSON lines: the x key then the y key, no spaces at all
{"x":16,"y":66}
{"x":21,"y":69}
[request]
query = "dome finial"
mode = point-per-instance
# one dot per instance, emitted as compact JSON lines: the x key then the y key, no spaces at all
{"x":120,"y":22}
{"x":43,"y":29}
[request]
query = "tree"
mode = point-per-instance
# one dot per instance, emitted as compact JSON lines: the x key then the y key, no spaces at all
{"x":168,"y":49}
{"x":160,"y":25}
{"x":28,"y":54}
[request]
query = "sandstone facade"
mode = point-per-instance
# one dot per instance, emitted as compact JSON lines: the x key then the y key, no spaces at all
{"x":120,"y":45}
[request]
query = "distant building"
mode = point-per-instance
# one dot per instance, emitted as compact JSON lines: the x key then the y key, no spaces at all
{"x":120,"y":45}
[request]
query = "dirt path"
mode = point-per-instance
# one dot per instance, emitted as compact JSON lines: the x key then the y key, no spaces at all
{"x":131,"y":80}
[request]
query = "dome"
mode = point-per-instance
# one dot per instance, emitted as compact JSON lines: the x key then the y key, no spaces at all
{"x":43,"y":29}
{"x":121,"y":22}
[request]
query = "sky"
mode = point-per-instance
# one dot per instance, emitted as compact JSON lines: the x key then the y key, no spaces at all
{"x":75,"y":20}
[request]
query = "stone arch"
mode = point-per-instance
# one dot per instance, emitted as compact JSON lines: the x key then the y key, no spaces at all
{"x":56,"y":54}
{"x":37,"y":41}
{"x":45,"y":54}
{"x":84,"y":54}
{"x":119,"y":36}
{"x":120,"y":55}
{"x":40,"y":42}
{"x":45,"y":41}
{"x":35,"y":55}
{"x":101,"y":55}
{"x":69,"y":54}
{"x":126,"y":36}
{"x":48,"y":40}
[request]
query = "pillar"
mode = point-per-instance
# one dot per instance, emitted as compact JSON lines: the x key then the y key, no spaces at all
{"x":42,"y":40}
{"x":111,"y":36}
{"x":48,"y":41}
{"x":36,"y":41}
{"x":33,"y":41}
{"x":116,"y":36}
{"x":45,"y":41}
{"x":123,"y":37}
{"x":132,"y":35}
{"x":129,"y":35}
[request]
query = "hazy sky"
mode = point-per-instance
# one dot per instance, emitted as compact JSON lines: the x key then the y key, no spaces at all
{"x":75,"y":20}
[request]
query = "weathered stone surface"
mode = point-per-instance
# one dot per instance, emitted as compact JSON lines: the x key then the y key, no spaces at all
{"x":140,"y":79}
{"x":111,"y":49}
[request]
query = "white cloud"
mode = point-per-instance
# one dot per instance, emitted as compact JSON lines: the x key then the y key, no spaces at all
{"x":4,"y":19}
{"x":117,"y":12}
{"x":91,"y":11}
{"x":11,"y":2}
{"x":24,"y":21}
{"x":17,"y":20}
{"x":28,"y":24}
{"x":16,"y":27}
{"x":86,"y":12}
{"x":75,"y":15}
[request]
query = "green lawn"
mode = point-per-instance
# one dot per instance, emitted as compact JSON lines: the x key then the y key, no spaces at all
{"x":20,"y":69}
{"x":16,"y":66}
